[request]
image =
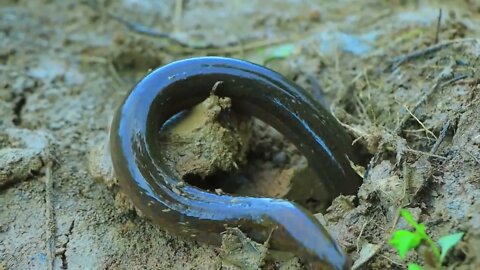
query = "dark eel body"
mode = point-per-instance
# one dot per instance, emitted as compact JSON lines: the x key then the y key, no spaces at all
{"x":189,"y":211}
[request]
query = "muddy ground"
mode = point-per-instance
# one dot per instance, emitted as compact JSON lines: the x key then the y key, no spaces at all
{"x":403,"y":81}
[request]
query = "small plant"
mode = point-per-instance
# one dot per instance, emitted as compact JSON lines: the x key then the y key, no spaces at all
{"x":277,"y":52}
{"x":404,"y":241}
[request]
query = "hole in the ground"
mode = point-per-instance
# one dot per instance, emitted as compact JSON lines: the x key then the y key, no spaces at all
{"x":274,"y":168}
{"x":267,"y":172}
{"x":17,"y":109}
{"x":228,"y":182}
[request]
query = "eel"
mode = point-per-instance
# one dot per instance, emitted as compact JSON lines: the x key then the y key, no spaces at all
{"x":189,"y":211}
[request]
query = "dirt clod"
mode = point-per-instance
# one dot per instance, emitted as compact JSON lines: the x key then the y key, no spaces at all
{"x":210,"y":138}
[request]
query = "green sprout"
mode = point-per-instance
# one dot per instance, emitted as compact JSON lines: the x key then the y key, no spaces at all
{"x":277,"y":52}
{"x":404,"y":241}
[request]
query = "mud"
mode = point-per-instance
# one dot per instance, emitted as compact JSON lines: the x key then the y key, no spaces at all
{"x":407,"y":93}
{"x":207,"y":139}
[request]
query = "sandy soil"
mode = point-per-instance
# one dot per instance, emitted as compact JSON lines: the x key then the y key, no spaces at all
{"x":405,"y":89}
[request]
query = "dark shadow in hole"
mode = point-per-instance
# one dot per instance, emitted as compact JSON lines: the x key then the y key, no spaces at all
{"x":228,"y":182}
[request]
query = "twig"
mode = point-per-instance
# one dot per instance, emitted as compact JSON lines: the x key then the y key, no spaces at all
{"x":415,"y":54}
{"x":361,"y":233}
{"x":143,"y":30}
{"x":50,"y":239}
{"x":239,"y":46}
{"x":358,"y":132}
{"x":93,"y":59}
{"x":434,"y":87}
{"x":472,"y":156}
{"x":232,"y":47}
{"x":417,"y":105}
{"x":392,"y":261}
{"x":420,"y":122}
{"x":113,"y":71}
{"x":177,"y":18}
{"x":437,"y":32}
{"x":398,"y":61}
{"x":454,"y":79}
{"x":343,"y":89}
{"x":470,"y":82}
{"x":424,"y":153}
{"x":441,"y":137}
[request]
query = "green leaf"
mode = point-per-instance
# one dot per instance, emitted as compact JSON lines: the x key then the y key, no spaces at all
{"x":409,"y":218}
{"x":414,"y":266}
{"x":447,"y":242}
{"x":261,"y":50}
{"x":282,"y":51}
{"x":420,"y":228}
{"x":403,"y":241}
{"x":278,"y":52}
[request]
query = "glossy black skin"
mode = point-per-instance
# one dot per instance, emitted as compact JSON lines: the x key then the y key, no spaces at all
{"x":189,"y":211}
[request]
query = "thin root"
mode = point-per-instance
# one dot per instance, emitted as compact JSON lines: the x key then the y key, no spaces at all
{"x":420,"y":122}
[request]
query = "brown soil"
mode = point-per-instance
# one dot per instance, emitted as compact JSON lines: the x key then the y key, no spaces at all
{"x":406,"y":92}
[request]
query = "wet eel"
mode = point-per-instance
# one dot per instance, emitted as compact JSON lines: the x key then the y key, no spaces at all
{"x":189,"y":211}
